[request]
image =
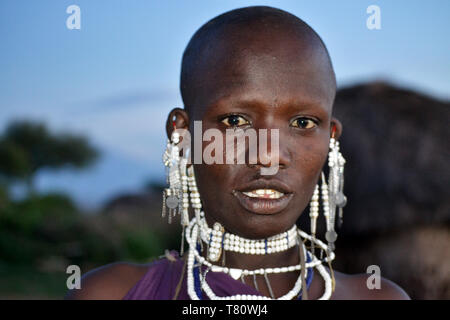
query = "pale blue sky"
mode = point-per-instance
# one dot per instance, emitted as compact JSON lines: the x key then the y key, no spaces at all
{"x":116,"y":79}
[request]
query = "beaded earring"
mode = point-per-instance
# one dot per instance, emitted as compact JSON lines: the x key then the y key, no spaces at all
{"x":314,"y":214}
{"x":333,"y":197}
{"x":172,"y":194}
{"x":333,"y":194}
{"x":195,"y":198}
{"x":176,"y":196}
{"x":185,"y":199}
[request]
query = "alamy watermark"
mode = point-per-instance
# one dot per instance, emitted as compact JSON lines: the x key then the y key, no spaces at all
{"x":374,"y":280}
{"x":230,"y":148}
{"x":74,"y":20}
{"x":74,"y":280}
{"x":373,"y":22}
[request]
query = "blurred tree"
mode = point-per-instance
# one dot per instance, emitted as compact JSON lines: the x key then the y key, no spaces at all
{"x":13,"y":162}
{"x":4,"y":197}
{"x":27,"y":147}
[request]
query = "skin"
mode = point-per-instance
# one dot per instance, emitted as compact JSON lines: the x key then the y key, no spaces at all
{"x":263,"y":87}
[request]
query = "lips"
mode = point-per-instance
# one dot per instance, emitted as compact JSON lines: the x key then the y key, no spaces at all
{"x":263,"y":197}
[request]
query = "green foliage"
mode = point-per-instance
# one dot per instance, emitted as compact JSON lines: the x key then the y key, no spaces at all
{"x":47,"y":150}
{"x":41,"y":227}
{"x":140,"y":246}
{"x":50,"y":225}
{"x":25,"y":282}
{"x":28,"y":215}
{"x":4,"y":197}
{"x":43,"y":234}
{"x":24,"y":226}
{"x":27,"y":147}
{"x":14,"y":163}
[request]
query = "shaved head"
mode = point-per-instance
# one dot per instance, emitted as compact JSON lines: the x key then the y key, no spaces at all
{"x":236,"y":44}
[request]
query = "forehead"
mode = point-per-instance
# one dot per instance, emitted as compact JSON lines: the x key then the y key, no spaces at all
{"x":270,"y":69}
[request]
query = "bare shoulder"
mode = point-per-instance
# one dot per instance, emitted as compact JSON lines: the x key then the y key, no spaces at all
{"x":361,"y":287}
{"x":109,"y":282}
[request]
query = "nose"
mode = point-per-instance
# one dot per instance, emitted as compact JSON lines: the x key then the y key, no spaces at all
{"x":273,"y":153}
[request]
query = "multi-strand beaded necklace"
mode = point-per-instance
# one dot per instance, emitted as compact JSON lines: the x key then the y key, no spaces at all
{"x":217,"y":240}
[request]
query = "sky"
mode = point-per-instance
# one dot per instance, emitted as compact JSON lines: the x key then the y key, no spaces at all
{"x":116,"y":78}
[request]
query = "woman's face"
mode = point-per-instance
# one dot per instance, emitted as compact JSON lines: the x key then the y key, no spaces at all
{"x":253,"y":90}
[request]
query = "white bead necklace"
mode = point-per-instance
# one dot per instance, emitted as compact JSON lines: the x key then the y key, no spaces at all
{"x":191,"y":237}
{"x":237,"y":273}
{"x":191,"y":258}
{"x":219,"y":240}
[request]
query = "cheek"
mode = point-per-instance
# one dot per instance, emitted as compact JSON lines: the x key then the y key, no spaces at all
{"x":308,"y":160}
{"x":213,"y":181}
{"x":315,"y":154}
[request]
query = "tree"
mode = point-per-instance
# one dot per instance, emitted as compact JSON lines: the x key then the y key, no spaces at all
{"x":27,"y":147}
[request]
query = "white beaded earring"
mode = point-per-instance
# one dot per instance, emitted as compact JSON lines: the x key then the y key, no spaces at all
{"x":172,"y":194}
{"x":176,"y":196}
{"x":185,"y":199}
{"x":195,"y":198}
{"x":333,"y":194}
{"x":314,"y":214}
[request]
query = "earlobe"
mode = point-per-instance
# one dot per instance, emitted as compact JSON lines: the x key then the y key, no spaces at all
{"x":335,"y":126}
{"x":177,"y":118}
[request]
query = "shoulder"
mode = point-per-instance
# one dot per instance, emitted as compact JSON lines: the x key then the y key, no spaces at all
{"x":365,"y":287}
{"x":109,"y":282}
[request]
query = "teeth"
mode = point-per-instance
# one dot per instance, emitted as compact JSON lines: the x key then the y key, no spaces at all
{"x":264,"y":193}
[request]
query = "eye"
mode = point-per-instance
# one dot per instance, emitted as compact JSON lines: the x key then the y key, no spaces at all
{"x":304,"y":123}
{"x":234,"y":120}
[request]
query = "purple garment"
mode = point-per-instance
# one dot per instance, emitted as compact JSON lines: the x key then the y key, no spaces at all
{"x":163,"y":275}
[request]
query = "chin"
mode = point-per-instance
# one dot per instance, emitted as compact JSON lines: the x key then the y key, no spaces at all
{"x":259,"y":226}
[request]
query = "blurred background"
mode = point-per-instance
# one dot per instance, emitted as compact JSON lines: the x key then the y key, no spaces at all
{"x":82,"y":115}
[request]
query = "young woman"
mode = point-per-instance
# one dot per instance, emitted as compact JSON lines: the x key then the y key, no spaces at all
{"x":253,"y":68}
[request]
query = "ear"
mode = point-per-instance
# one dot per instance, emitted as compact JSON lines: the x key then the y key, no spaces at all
{"x":180,"y":118}
{"x":335,"y":122}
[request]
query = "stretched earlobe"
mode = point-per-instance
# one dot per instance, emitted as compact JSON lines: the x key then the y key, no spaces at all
{"x":335,"y":128}
{"x":177,"y":118}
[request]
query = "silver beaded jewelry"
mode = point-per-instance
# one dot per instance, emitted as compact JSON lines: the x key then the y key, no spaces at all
{"x":185,"y":199}
{"x":231,"y":242}
{"x":333,"y":193}
{"x":237,"y":273}
{"x":176,"y":196}
{"x":172,"y":194}
{"x":314,"y":214}
{"x":215,"y":242}
{"x":191,"y":234}
{"x":195,"y":197}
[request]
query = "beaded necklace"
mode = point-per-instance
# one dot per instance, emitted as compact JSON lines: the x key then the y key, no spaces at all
{"x":198,"y":286}
{"x":196,"y":283}
{"x":218,"y":240}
